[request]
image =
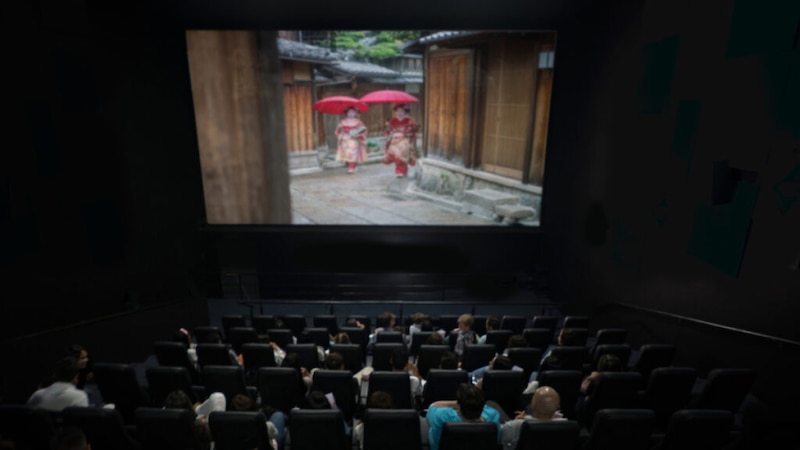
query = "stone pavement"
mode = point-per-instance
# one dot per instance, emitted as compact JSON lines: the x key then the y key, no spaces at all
{"x":372,"y":196}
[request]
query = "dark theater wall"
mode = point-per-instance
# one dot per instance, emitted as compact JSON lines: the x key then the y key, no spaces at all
{"x":101,"y":182}
{"x":671,"y":180}
{"x":675,"y":134}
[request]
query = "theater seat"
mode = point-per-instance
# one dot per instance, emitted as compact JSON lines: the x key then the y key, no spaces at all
{"x":469,"y":436}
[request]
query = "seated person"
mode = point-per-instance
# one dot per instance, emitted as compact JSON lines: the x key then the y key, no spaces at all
{"x":217,"y":339}
{"x":419,"y":322}
{"x":180,"y":400}
{"x":320,"y":400}
{"x":383,"y":400}
{"x":277,"y":352}
{"x":514,"y":341}
{"x":545,"y":405}
{"x":69,"y":438}
{"x":293,"y":360}
{"x":63,"y":392}
{"x":499,"y":362}
{"x":566,"y":338}
{"x":449,"y":361}
{"x":492,"y":323}
{"x":469,"y":406}
{"x":399,"y":362}
{"x":466,"y":336}
{"x":606,"y":363}
{"x":276,"y":421}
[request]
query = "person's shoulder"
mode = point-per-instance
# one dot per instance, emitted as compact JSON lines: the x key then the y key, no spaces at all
{"x":436,"y":412}
{"x":491,"y":414}
{"x":513,"y":423}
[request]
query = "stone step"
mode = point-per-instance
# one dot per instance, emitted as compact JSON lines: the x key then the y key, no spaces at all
{"x":489,"y":198}
{"x":512,"y":213}
{"x":482,"y":202}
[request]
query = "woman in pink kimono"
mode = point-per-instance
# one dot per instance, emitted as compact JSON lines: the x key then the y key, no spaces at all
{"x":401,"y":138}
{"x":351,"y":135}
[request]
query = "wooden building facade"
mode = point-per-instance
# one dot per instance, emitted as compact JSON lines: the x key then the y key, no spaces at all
{"x":487,"y":98}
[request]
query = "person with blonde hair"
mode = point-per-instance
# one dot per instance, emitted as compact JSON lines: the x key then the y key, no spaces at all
{"x":466,"y":336}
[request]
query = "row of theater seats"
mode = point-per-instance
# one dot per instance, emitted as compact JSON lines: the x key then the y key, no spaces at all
{"x":297,"y":322}
{"x":650,"y":390}
{"x":399,"y":429}
{"x":664,"y":390}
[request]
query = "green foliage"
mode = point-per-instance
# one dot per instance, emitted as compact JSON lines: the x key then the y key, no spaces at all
{"x":348,"y":39}
{"x":379,"y":51}
{"x":385,"y":36}
{"x":386,"y":47}
{"x":404,"y":36}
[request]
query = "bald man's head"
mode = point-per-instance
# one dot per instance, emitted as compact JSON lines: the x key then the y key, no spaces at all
{"x":545,"y":403}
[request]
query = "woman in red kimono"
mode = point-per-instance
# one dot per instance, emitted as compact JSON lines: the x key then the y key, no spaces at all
{"x":401,"y":139}
{"x":351,"y":135}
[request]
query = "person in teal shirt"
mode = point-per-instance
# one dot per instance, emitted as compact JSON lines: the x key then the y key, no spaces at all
{"x":469,"y":406}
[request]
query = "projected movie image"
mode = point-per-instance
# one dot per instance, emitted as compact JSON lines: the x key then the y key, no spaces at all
{"x":381,"y":128}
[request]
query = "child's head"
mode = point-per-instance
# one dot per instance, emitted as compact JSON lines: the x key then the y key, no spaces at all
{"x":609,"y":363}
{"x":465,"y":322}
{"x":434,"y":339}
{"x":418,"y":318}
{"x":449,"y":360}
{"x":380,"y":400}
{"x":517,"y":340}
{"x":333,"y":361}
{"x":341,"y":338}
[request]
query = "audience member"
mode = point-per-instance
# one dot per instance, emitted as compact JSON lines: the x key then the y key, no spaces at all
{"x":293,"y":360}
{"x":399,"y":362}
{"x":341,"y":338}
{"x":85,"y":374}
{"x":492,"y":323}
{"x":63,"y":391}
{"x":183,"y":336}
{"x":418,"y":321}
{"x":69,"y":438}
{"x":466,"y":336}
{"x":607,"y":363}
{"x":545,"y":405}
{"x":180,"y":400}
{"x":514,"y":341}
{"x":499,"y":362}
{"x":383,"y":400}
{"x":449,"y":361}
{"x":469,"y":406}
{"x":320,"y":400}
{"x":217,"y":339}
{"x":276,"y":421}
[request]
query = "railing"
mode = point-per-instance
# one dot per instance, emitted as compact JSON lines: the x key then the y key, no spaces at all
{"x":545,"y":308}
{"x":345,"y":286}
{"x":94,"y":320}
{"x":685,"y":319}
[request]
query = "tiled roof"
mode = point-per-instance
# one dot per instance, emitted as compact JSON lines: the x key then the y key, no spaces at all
{"x":443,"y":35}
{"x":298,"y":50}
{"x":362,"y":68}
{"x":400,"y":79}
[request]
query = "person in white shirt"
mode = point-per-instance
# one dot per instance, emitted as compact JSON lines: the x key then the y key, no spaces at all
{"x":63,"y":392}
{"x":420,"y":322}
{"x":545,"y":405}
{"x":492,"y":323}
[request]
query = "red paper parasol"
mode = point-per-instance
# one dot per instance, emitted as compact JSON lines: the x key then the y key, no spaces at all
{"x":389,"y":96}
{"x":338,"y":104}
